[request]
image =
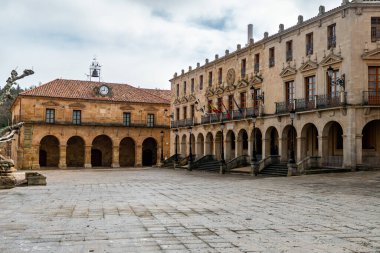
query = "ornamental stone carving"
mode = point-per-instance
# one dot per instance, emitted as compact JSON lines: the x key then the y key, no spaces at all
{"x":231,"y":76}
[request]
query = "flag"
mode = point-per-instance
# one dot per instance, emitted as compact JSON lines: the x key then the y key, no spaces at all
{"x":228,"y":113}
{"x":213,"y":108}
{"x":240,"y":110}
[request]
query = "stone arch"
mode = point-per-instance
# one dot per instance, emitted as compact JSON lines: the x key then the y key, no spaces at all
{"x":242,"y":143}
{"x":371,"y":143}
{"x":101,"y":151}
{"x":209,"y":144}
{"x":257,"y":141}
{"x":127,"y":152}
{"x":230,"y":145}
{"x":309,"y":141}
{"x":149,"y":152}
{"x":49,"y":151}
{"x":332,"y":138}
{"x":272,"y":141}
{"x":200,"y":147}
{"x":184,"y":145}
{"x":289,"y":139}
{"x":75,"y":152}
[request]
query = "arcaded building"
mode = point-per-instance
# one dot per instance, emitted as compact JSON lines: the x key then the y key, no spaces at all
{"x":71,"y":123}
{"x":326,"y":70}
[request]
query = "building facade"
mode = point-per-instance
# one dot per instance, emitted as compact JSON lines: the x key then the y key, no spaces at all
{"x":326,"y":70}
{"x":70,"y":123}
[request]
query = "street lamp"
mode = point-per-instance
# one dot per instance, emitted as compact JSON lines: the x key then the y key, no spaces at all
{"x":190,"y":152}
{"x":339,"y":81}
{"x":162,"y":146}
{"x":176,"y":146}
{"x":291,"y":157}
{"x":222,"y":153}
{"x":254,"y":158}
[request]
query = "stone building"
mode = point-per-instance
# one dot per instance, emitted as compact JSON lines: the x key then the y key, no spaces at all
{"x":70,"y":123}
{"x":326,"y":70}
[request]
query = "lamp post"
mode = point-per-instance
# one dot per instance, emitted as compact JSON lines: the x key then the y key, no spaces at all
{"x":292,"y":160}
{"x":190,"y":151}
{"x":162,"y":146}
{"x":176,"y":146}
{"x":222,"y":151}
{"x":254,"y":158}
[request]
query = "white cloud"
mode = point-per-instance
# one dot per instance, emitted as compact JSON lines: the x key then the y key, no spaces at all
{"x":138,"y":42}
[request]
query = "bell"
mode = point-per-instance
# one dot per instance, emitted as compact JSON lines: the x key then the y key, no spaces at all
{"x":95,"y":73}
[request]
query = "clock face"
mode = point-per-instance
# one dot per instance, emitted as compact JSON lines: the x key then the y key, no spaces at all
{"x":103,"y":90}
{"x":230,"y":76}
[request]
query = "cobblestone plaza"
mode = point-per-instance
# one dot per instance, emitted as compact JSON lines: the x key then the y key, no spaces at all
{"x":152,"y":210}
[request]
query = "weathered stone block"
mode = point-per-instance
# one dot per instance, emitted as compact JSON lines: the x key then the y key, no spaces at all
{"x":35,"y":178}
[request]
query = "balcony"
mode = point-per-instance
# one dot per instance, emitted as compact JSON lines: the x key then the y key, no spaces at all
{"x":245,"y":113}
{"x":371,"y":97}
{"x":331,"y":42}
{"x":289,"y":55}
{"x":182,"y":123}
{"x":309,"y":49}
{"x":303,"y":104}
{"x":257,"y":68}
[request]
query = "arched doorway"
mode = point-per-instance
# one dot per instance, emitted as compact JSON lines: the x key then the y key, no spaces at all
{"x":75,"y":152}
{"x":258,"y":143}
{"x":49,"y":151}
{"x":218,"y":145}
{"x":184,"y":146}
{"x":230,"y":145}
{"x":271,"y":135}
{"x":200,"y":145}
{"x":193,"y":151}
{"x":209,"y":144}
{"x":332,"y":144}
{"x":149,"y":152}
{"x":289,"y":142}
{"x":242,"y":143}
{"x":127,"y":152}
{"x":101,"y":151}
{"x":371,"y":144}
{"x":309,"y":141}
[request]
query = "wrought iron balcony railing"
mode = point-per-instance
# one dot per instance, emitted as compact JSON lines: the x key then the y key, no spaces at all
{"x":182,"y":123}
{"x":142,"y":124}
{"x":331,"y":42}
{"x":309,"y":49}
{"x":257,"y":68}
{"x":244,"y":113}
{"x":371,"y":97}
{"x":289,"y":55}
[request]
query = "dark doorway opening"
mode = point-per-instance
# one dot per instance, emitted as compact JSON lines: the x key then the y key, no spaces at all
{"x":43,"y":157}
{"x":96,"y":158}
{"x":149,"y":152}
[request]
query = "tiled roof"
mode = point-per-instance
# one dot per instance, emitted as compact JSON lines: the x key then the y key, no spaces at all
{"x":76,"y":89}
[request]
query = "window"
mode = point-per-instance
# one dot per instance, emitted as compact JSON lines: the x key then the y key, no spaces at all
{"x":220,"y":76}
{"x":332,"y":86}
{"x":375,"y":29}
{"x":220,"y":104}
{"x":210,"y":78}
{"x":271,"y":57}
{"x":289,"y":86}
{"x":201,"y":82}
{"x":185,"y":112}
{"x":331,"y":36}
{"x":209,"y":106}
{"x":192,"y":110}
{"x":289,"y":50}
{"x":192,"y":85}
{"x":257,"y":63}
{"x":50,"y":115}
{"x":309,"y":44}
{"x":177,"y":113}
{"x":373,"y":85}
{"x":184,"y":88}
{"x":256,"y":95}
{"x":76,"y":117}
{"x":126,"y":118}
{"x":243,"y":68}
{"x":243,"y":100}
{"x":310,"y":88}
{"x":177,"y":89}
{"x":230,"y":102}
{"x":150,"y":120}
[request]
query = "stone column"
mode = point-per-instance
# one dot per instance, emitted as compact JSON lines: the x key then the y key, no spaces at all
{"x":323,"y":148}
{"x":359,"y":149}
{"x":282,"y":149}
{"x":301,"y":148}
{"x":115,"y":157}
{"x":349,"y":151}
{"x":266,"y":148}
{"x":87,"y":157}
{"x":62,"y":157}
{"x":35,"y":157}
{"x":138,"y":158}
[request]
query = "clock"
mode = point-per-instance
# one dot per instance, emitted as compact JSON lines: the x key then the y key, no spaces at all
{"x":230,"y":76}
{"x":104,"y":90}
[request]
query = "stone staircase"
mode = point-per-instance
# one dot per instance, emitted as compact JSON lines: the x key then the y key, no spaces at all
{"x":276,"y":170}
{"x":212,"y":166}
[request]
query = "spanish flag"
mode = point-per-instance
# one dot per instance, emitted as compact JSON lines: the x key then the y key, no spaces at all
{"x":213,"y":108}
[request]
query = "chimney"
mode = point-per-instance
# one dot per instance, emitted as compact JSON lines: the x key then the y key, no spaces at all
{"x":227,"y":52}
{"x":250,"y":33}
{"x":321,"y":10}
{"x":190,"y":68}
{"x":198,"y":64}
{"x":206,"y":61}
{"x":281,"y":28}
{"x":266,"y":35}
{"x":182,"y":71}
{"x":216,"y":57}
{"x":238,"y":46}
{"x":300,"y":19}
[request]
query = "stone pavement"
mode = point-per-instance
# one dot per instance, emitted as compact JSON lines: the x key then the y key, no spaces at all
{"x":156,"y":210}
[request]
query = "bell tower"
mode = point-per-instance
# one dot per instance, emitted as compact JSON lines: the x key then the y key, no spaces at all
{"x":95,"y":69}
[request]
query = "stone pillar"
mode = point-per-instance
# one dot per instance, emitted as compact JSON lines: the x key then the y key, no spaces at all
{"x":115,"y":157}
{"x":359,"y":149}
{"x":282,"y":149}
{"x":138,"y":153}
{"x":349,"y":151}
{"x":266,"y":148}
{"x":62,"y":157}
{"x":87,"y":157}
{"x":35,"y":157}
{"x":323,"y":148}
{"x":301,"y":148}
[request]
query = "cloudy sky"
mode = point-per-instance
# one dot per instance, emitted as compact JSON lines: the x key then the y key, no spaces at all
{"x":139,"y":42}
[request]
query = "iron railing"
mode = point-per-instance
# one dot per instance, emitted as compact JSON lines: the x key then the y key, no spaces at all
{"x":371,"y":97}
{"x":142,"y":124}
{"x":309,"y":49}
{"x":331,"y":42}
{"x":182,"y":123}
{"x":289,"y":55}
{"x":284,"y":107}
{"x":237,"y":162}
{"x":244,"y":113}
{"x":333,"y":161}
{"x":257,"y":68}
